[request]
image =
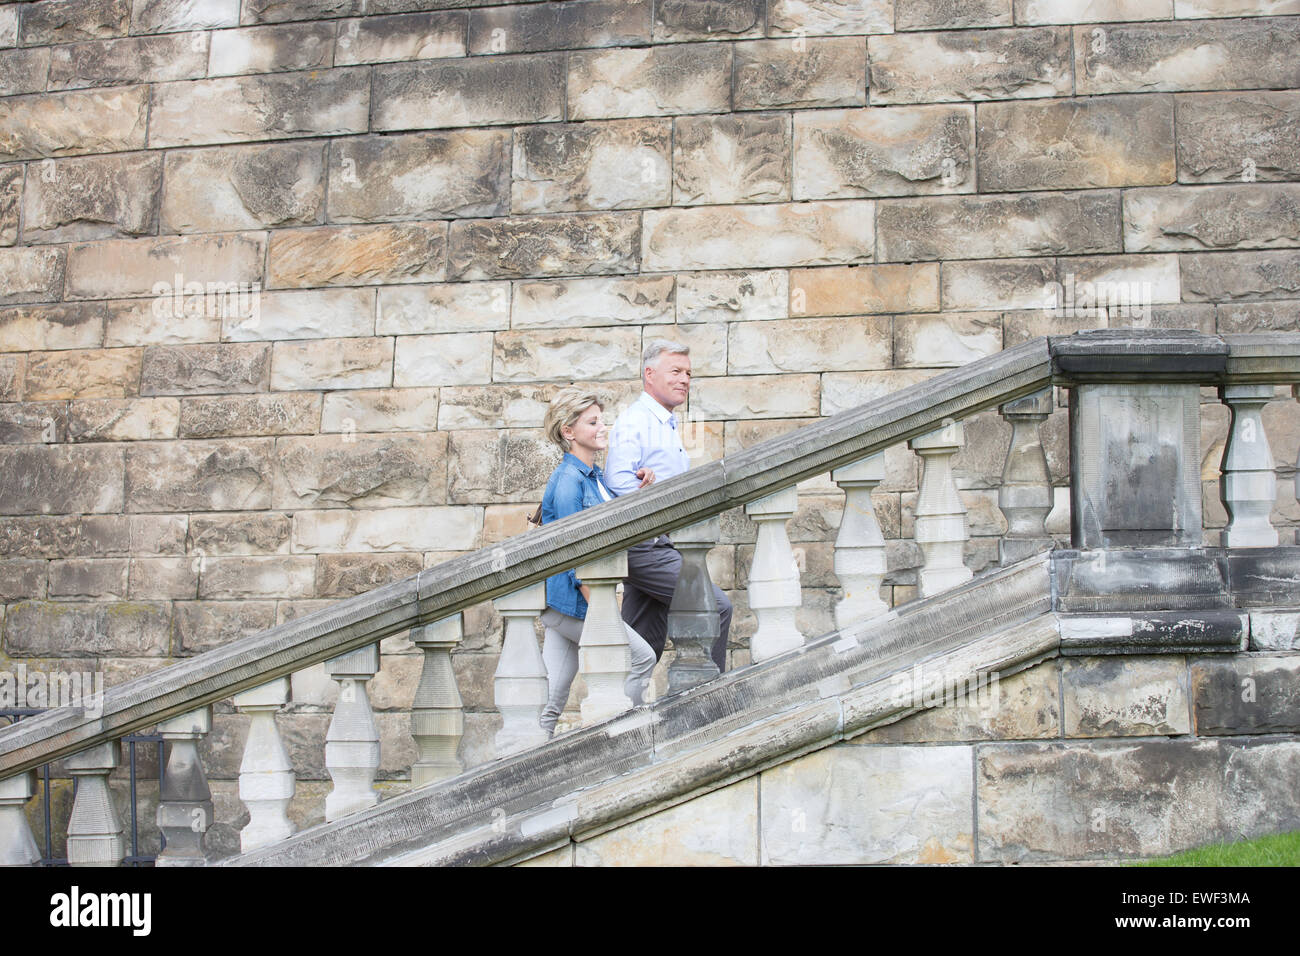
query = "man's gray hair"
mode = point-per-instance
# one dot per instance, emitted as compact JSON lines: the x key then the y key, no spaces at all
{"x":657,"y":348}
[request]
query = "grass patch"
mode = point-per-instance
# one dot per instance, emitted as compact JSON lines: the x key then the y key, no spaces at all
{"x":1280,"y":850}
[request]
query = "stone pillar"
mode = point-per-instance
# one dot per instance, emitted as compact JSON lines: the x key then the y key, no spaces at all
{"x":1247,"y":486}
{"x":266,"y":780}
{"x":693,"y":624}
{"x":860,"y":559}
{"x":352,"y":741}
{"x":774,"y":592}
{"x":17,"y":845}
{"x":185,"y":802}
{"x":603,"y":654}
{"x":94,"y":833}
{"x":520,"y":684}
{"x":940,"y":516}
{"x":437,"y":715}
{"x":1026,"y":493}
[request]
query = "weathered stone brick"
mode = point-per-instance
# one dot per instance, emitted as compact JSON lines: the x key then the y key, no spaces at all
{"x":1125,"y":697}
{"x":732,"y":296}
{"x":297,"y":46}
{"x":1225,"y":54}
{"x":305,"y":314}
{"x":176,"y":56}
{"x":199,"y":475}
{"x":505,"y":521}
{"x":274,"y":106}
{"x":580,"y":302}
{"x":9,"y":25}
{"x":1064,"y":144}
{"x":707,"y":342}
{"x":755,"y":396}
{"x":24,"y":70}
{"x":360,"y":471}
{"x":233,"y":534}
{"x":800,"y":73}
{"x":89,"y":578}
{"x":11,"y":196}
{"x":68,"y":124}
{"x":339,"y":530}
{"x":381,"y":410}
{"x":494,"y":406}
{"x":1093,"y":11}
{"x":1238,"y":137}
{"x":419,"y":36}
{"x":455,"y":358}
{"x":495,"y":466}
{"x":13,"y":373}
{"x":53,"y":479}
{"x":332,"y":363}
{"x":93,"y":198}
{"x":884,"y":152}
{"x":44,"y":536}
{"x":343,"y":575}
{"x":731,"y":159}
{"x":74,"y":326}
{"x":809,"y":345}
{"x":1125,"y":285}
{"x":650,"y":81}
{"x":455,"y":307}
{"x":999,"y":284}
{"x":1249,"y":695}
{"x":1212,"y":217}
{"x":534,"y":356}
{"x":67,"y":21}
{"x":125,"y":267}
{"x":357,"y":255}
{"x":1257,"y":317}
{"x":862,"y":290}
{"x":963,"y":65}
{"x":230,"y":416}
{"x":730,"y":237}
{"x":31,"y":274}
{"x":522,"y":246}
{"x":279,"y":576}
{"x":273,"y":11}
{"x":27,"y":423}
{"x":951,"y":339}
{"x":165,"y":16}
{"x":949,"y":14}
{"x":243,"y":187}
{"x":844,"y":390}
{"x":1222,"y":276}
{"x":22,"y":581}
{"x":619,"y":164}
{"x":530,"y":28}
{"x":158,"y":321}
{"x":200,"y":626}
{"x":964,"y":227}
{"x":158,"y":534}
{"x":163,"y":579}
{"x":469,"y":92}
{"x":677,"y":20}
{"x":83,"y":373}
{"x":420,"y":176}
{"x":1234,"y":8}
{"x":205,"y":369}
{"x":831,"y":17}
{"x":123,"y":419}
{"x":1020,"y":326}
{"x":70,"y":629}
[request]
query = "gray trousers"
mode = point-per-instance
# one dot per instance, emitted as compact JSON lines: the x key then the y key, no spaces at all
{"x":652,"y":569}
{"x":560,"y":654}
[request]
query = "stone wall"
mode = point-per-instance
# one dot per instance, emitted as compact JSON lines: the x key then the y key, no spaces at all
{"x":285,"y":285}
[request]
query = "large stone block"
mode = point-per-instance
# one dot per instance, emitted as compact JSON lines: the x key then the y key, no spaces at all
{"x":732,"y":296}
{"x":67,"y":21}
{"x":844,"y":390}
{"x":950,"y":14}
{"x":332,"y":363}
{"x":165,"y":16}
{"x":1257,"y":317}
{"x":420,"y":176}
{"x":1246,"y":695}
{"x":275,"y":11}
{"x":1125,"y":697}
{"x":297,"y":46}
{"x":1123,"y":284}
{"x":729,"y":237}
{"x":204,"y":369}
{"x":274,"y":106}
{"x":339,"y":531}
{"x":358,"y":255}
{"x":859,"y":805}
{"x":494,"y":406}
{"x":884,"y":152}
{"x":41,"y":327}
{"x":616,"y":165}
{"x":1178,"y":55}
{"x":157,"y":59}
{"x":419,"y":36}
{"x":1212,"y":217}
{"x":496,"y":466}
{"x":755,"y":396}
{"x":22,"y":581}
{"x":13,"y":373}
{"x":24,"y":71}
{"x":233,"y":534}
{"x":360,"y":471}
{"x":69,"y":629}
{"x":532,"y":356}
{"x":998,"y":227}
{"x":1064,"y":144}
{"x":163,"y":579}
{"x":199,"y":475}
{"x":454,"y":358}
{"x":279,"y":576}
{"x":950,"y":339}
{"x":31,"y":274}
{"x":229,"y":416}
{"x":731,"y":159}
{"x":707,"y":344}
{"x":102,"y":579}
{"x":649,"y":81}
{"x":469,"y":92}
{"x":530,"y":28}
{"x":810,"y":345}
{"x":83,"y":373}
{"x":998,"y":284}
{"x":304,"y":314}
{"x":1233,"y":8}
{"x":523,"y":246}
{"x":44,"y":536}
{"x":1215,"y":277}
{"x":586,"y":302}
{"x":381,"y":410}
{"x":800,"y":73}
{"x":68,"y":124}
{"x":965,"y":65}
{"x":11,"y":202}
{"x":158,"y":534}
{"x":26,"y":423}
{"x":343,"y":575}
{"x":53,"y":479}
{"x":243,"y":187}
{"x":200,"y":626}
{"x":170,"y":268}
{"x":860,"y":290}
{"x":1238,"y":137}
{"x":1092,"y":11}
{"x":830,"y":17}
{"x":123,"y":419}
{"x":676,"y":20}
{"x":197,"y":319}
{"x":93,"y":198}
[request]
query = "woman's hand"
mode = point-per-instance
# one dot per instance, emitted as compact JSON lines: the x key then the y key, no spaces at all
{"x":646,"y":475}
{"x":586,"y":592}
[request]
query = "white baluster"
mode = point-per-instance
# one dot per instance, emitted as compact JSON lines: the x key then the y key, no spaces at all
{"x":94,"y":833}
{"x":437,"y":714}
{"x":17,"y":845}
{"x":185,"y":802}
{"x":352,"y":741}
{"x":520,"y":684}
{"x":693,"y":624}
{"x":603,"y":654}
{"x":940,"y":516}
{"x":860,"y":561}
{"x":1248,"y":486}
{"x":774,"y":591}
{"x":1025,"y":497}
{"x":266,"y":780}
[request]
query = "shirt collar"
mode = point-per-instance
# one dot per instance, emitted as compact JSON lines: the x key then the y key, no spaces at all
{"x":588,"y":470}
{"x":657,"y":410}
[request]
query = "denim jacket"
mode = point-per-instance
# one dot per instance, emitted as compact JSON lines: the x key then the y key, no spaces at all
{"x":572,"y":487}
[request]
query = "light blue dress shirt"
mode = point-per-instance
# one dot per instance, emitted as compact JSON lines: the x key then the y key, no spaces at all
{"x":645,"y":435}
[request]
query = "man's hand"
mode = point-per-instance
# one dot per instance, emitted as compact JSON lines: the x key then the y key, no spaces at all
{"x":646,"y":475}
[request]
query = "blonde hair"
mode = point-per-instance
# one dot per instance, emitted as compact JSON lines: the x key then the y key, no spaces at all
{"x":568,"y":403}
